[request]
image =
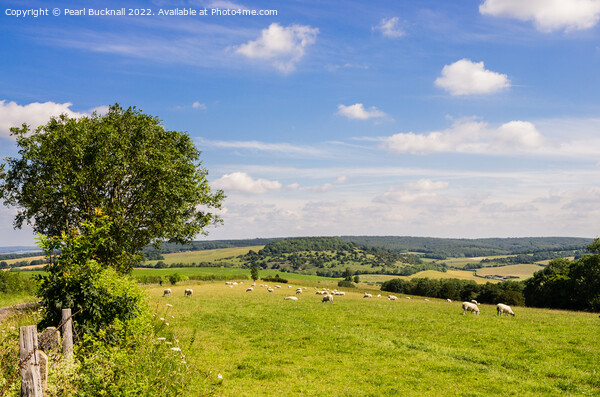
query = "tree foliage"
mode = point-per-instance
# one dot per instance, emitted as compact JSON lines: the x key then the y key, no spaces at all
{"x":147,"y":180}
{"x":565,"y":284}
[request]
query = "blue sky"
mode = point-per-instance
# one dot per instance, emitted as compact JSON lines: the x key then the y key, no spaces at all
{"x":467,"y":119}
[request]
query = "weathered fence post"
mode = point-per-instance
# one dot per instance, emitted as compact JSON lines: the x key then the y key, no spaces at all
{"x":31,"y":381}
{"x":67,"y":334}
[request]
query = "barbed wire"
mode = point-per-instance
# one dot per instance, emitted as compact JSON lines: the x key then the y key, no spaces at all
{"x":45,"y":338}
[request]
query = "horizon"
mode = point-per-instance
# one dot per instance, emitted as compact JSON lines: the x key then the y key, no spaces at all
{"x":477,"y":119}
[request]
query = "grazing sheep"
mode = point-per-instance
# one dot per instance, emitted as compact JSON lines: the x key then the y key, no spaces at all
{"x":426,"y":300}
{"x":502,"y":308}
{"x":166,"y":292}
{"x":449,"y":300}
{"x":298,"y":291}
{"x":327,"y":298}
{"x":474,"y":301}
{"x":290,"y":298}
{"x":249,"y":289}
{"x":367,"y":295}
{"x":379,"y":296}
{"x":228,"y":282}
{"x":408,"y":297}
{"x":278,"y":286}
{"x":188,"y":292}
{"x":472,"y":307}
{"x":270,"y":289}
{"x":392,"y":297}
{"x":342,"y":293}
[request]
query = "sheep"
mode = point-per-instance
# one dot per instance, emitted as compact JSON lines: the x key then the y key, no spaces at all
{"x":298,"y":291}
{"x":327,"y":298}
{"x":502,"y":308}
{"x":278,"y":286}
{"x":270,"y":289}
{"x":166,"y":292}
{"x":408,"y":297}
{"x":379,"y":296}
{"x":472,"y":307}
{"x":321,"y":293}
{"x":449,"y":300}
{"x":367,"y":295}
{"x":342,"y":293}
{"x":249,"y":289}
{"x":392,"y":297}
{"x":188,"y":292}
{"x":290,"y":298}
{"x":426,"y":300}
{"x":228,"y":282}
{"x":474,"y":301}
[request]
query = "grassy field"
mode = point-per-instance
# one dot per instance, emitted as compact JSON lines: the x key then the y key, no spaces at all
{"x":263,"y":345}
{"x":523,"y":272}
{"x":462,"y":262}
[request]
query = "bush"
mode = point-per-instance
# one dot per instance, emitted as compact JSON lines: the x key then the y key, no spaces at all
{"x":275,"y":279}
{"x":346,"y":283}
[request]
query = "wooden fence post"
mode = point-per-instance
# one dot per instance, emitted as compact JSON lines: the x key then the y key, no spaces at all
{"x":67,"y":334}
{"x":31,"y":381}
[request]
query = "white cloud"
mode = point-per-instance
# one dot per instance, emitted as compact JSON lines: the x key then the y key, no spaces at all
{"x":547,"y":15}
{"x":470,"y":136}
{"x":358,"y":112}
{"x":389,"y":28}
{"x":284,"y":46}
{"x":465,"y":77}
{"x":36,"y":114}
{"x":284,"y":148}
{"x":422,"y":192}
{"x":198,"y":105}
{"x":242,"y":182}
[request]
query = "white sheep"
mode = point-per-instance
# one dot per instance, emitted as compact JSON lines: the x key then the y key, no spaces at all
{"x":188,"y":292}
{"x":249,"y":289}
{"x":367,"y":295}
{"x":270,"y":289}
{"x":379,"y":296}
{"x":228,"y":282}
{"x":408,"y":297}
{"x":392,"y":297}
{"x":327,"y":298}
{"x":290,"y":298}
{"x":426,"y":300}
{"x":474,"y":301}
{"x":472,"y":307}
{"x":502,"y":308}
{"x":342,"y":293}
{"x":298,"y":291}
{"x":449,"y":300}
{"x":166,"y":292}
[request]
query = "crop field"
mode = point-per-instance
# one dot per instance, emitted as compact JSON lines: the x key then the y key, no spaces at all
{"x":261,"y":344}
{"x":206,"y":255}
{"x":462,"y":262}
{"x":459,"y":274}
{"x":523,"y":272}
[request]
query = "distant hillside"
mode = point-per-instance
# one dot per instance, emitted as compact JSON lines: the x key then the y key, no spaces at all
{"x":442,"y":248}
{"x":331,"y":256}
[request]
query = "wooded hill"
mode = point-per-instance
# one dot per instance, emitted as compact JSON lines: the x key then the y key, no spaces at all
{"x":331,"y":256}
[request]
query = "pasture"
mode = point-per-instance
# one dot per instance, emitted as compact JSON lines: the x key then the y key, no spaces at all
{"x":206,"y":255}
{"x":262,"y":344}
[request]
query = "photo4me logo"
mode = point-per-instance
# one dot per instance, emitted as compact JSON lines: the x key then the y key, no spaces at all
{"x":184,"y":11}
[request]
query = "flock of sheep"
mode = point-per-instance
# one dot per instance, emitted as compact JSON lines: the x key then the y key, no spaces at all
{"x":472,"y":306}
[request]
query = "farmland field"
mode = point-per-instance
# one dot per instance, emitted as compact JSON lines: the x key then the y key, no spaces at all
{"x":263,"y":345}
{"x":523,"y":272}
{"x":459,"y":274}
{"x":206,"y":255}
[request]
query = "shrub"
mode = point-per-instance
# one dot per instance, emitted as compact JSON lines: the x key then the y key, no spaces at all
{"x":346,"y":283}
{"x":275,"y":279}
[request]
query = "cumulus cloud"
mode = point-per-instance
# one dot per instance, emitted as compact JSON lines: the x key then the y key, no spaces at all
{"x":244,"y":183}
{"x":358,"y":112}
{"x":547,"y":15}
{"x":465,"y":77}
{"x":389,"y":27}
{"x":470,"y":136}
{"x":36,"y":114}
{"x":284,"y":46}
{"x":198,"y":105}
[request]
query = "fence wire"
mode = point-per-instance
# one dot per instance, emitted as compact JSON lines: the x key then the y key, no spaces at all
{"x":42,"y":340}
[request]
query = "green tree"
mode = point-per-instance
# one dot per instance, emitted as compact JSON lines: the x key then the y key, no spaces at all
{"x":147,"y":180}
{"x":254,"y":273}
{"x":356,"y":279}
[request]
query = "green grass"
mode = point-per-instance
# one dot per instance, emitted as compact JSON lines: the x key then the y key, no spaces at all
{"x":264,"y":345}
{"x":459,"y":274}
{"x":15,"y":299}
